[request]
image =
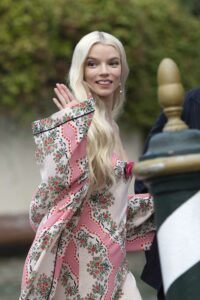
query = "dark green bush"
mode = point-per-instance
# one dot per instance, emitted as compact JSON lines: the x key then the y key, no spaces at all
{"x":37,"y":39}
{"x":193,"y":6}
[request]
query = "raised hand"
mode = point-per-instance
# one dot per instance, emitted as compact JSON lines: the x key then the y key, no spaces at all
{"x":64,"y":97}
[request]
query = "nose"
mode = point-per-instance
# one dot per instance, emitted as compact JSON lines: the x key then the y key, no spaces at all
{"x":104,"y":69}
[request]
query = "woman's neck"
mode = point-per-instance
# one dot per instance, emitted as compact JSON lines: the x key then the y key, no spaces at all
{"x":108,"y":102}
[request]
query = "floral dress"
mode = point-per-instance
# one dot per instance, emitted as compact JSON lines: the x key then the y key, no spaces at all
{"x":79,"y":250}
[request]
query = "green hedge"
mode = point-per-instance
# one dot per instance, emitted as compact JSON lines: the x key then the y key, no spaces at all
{"x":193,"y":6}
{"x":37,"y":39}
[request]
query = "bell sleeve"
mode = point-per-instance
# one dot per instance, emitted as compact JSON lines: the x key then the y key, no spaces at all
{"x":61,"y":142}
{"x":61,"y":155}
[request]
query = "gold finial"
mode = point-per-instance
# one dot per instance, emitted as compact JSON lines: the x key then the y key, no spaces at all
{"x":171,"y":94}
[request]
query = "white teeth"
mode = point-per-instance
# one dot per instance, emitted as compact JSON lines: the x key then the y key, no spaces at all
{"x":104,"y":81}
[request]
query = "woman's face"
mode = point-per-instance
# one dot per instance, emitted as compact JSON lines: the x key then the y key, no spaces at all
{"x":102,"y":71}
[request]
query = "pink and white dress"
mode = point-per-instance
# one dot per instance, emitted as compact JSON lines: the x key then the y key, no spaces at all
{"x":79,"y":250}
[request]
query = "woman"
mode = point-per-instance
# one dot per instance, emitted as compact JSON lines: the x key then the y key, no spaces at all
{"x":79,"y":211}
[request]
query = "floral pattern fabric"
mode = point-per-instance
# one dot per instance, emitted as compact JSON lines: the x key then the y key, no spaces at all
{"x":79,"y":250}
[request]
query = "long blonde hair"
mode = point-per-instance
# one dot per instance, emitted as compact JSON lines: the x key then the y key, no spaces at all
{"x":101,"y":140}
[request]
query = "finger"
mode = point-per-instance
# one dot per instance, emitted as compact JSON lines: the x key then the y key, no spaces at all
{"x":69,"y":93}
{"x":63,"y":100}
{"x":57,"y":103}
{"x":63,"y":92}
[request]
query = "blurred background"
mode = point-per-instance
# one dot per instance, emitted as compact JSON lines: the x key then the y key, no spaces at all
{"x":37,"y":38}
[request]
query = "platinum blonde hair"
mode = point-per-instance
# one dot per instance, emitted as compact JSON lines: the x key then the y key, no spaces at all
{"x":101,"y":141}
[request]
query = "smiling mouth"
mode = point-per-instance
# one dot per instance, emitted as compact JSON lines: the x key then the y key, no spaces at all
{"x":104,"y":82}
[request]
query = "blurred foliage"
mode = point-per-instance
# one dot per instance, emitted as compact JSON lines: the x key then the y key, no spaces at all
{"x":37,"y":39}
{"x":193,"y":6}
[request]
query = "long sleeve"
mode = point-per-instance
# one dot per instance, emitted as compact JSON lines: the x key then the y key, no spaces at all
{"x":140,"y":222}
{"x":61,"y":155}
{"x":61,"y":142}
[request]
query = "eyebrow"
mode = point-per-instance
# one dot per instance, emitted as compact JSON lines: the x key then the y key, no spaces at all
{"x":90,"y":57}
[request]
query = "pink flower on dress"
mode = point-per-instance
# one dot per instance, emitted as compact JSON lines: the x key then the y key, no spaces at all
{"x":129,"y":169}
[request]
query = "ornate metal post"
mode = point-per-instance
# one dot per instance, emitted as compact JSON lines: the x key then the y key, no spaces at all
{"x":171,"y":169}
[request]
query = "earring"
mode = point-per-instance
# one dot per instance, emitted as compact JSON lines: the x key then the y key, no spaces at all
{"x":120,"y":88}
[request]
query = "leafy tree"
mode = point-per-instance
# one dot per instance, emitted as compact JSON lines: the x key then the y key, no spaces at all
{"x":193,"y":6}
{"x":37,"y":40}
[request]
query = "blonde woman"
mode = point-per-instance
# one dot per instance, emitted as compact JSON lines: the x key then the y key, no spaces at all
{"x":81,"y":212}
